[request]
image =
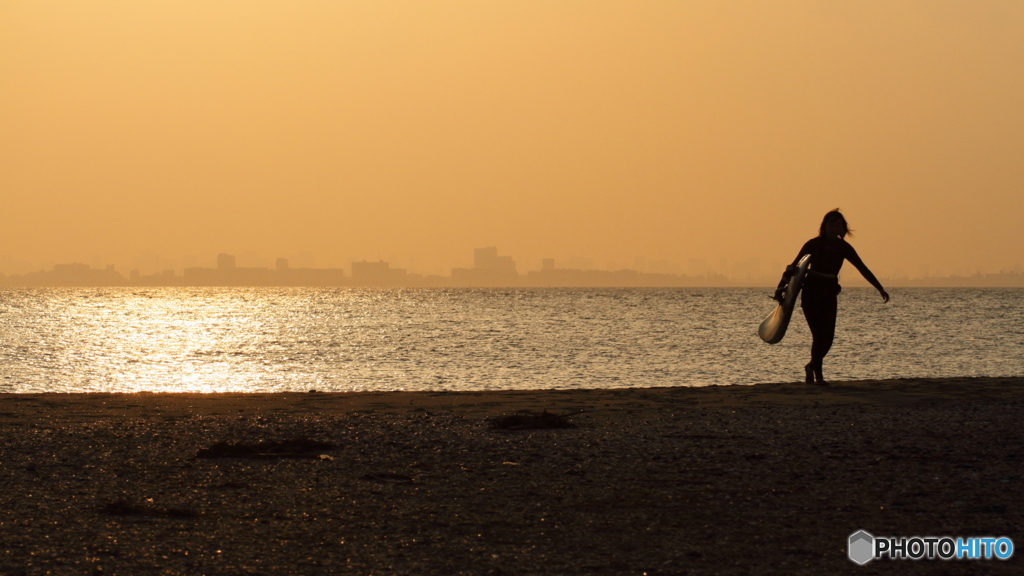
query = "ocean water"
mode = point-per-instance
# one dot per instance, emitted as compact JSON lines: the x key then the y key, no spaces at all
{"x":280,"y":339}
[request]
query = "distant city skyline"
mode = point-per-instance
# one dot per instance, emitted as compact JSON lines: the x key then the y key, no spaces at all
{"x":489,"y":268}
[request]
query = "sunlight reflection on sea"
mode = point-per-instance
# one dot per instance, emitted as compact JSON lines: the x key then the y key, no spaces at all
{"x":260,"y":339}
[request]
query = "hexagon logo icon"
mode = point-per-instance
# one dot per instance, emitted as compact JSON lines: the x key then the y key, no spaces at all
{"x":861,"y":548}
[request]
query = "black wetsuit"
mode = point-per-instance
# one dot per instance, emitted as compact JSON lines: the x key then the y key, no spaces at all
{"x":821,"y":285}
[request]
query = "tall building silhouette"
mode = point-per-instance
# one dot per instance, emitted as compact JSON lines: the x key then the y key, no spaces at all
{"x":487,"y":260}
{"x":488,"y":269}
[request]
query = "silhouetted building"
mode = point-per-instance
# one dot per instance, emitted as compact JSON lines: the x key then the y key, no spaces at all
{"x":312,"y":277}
{"x":378,"y":273}
{"x":487,"y":260}
{"x":165,"y":278}
{"x":488,"y":269}
{"x":225,"y":261}
{"x":69,"y":275}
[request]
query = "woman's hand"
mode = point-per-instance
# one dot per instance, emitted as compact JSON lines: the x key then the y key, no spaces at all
{"x":780,"y":295}
{"x":885,"y":295}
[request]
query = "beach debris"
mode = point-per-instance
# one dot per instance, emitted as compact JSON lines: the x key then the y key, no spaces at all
{"x":269,"y":450}
{"x":529,"y":420}
{"x":126,"y":508}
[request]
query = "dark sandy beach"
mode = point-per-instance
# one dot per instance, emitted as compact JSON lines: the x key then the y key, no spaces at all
{"x":720,"y":480}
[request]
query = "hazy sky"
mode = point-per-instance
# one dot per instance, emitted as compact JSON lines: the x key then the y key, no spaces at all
{"x":421,"y":130}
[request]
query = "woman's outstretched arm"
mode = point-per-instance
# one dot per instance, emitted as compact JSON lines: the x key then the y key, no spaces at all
{"x":866,"y":273}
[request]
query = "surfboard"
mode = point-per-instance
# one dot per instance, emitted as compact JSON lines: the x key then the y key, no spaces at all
{"x":773,"y":328}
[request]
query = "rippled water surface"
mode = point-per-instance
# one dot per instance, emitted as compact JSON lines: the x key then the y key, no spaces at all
{"x":77,"y":340}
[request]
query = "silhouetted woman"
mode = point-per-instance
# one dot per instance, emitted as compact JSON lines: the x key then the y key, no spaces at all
{"x":821,"y":286}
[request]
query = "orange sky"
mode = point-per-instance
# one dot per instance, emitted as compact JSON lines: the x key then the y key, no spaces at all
{"x":417,"y":131}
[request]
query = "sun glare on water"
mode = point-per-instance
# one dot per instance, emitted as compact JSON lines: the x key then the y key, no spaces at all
{"x":178,"y":341}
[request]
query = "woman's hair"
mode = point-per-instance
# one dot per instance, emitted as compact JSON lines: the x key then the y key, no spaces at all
{"x":835,"y":214}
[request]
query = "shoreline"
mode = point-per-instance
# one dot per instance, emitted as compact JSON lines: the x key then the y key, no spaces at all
{"x":903,"y":391}
{"x":711,"y":480}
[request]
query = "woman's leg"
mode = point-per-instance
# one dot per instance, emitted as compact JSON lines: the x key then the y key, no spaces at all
{"x":820,"y":311}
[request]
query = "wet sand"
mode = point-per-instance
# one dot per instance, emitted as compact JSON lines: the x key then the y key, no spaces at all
{"x":718,"y":480}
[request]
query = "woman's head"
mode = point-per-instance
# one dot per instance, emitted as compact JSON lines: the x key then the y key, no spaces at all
{"x":834,"y":224}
